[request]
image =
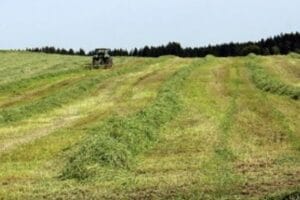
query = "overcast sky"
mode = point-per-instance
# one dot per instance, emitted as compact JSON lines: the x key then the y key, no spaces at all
{"x":135,"y":23}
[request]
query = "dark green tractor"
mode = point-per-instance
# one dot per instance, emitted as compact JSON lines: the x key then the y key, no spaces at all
{"x":102,"y":59}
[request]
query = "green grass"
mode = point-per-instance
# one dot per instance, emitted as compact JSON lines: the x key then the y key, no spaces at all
{"x":118,"y":140}
{"x":268,"y":83}
{"x":61,"y":97}
{"x":150,"y":128}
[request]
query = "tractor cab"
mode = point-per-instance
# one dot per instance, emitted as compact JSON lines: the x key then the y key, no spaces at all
{"x":101,"y":58}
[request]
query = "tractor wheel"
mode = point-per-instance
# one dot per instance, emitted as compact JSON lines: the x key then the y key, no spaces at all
{"x":109,"y":64}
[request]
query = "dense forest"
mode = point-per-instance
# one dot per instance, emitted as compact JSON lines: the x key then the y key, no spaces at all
{"x":281,"y":44}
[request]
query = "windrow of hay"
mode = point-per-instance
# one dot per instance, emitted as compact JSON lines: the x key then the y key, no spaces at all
{"x":118,"y":140}
{"x":20,"y":85}
{"x":268,"y":83}
{"x":64,"y":96}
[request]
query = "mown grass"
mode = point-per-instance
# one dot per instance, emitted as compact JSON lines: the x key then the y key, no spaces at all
{"x":267,"y":131}
{"x":227,"y":143}
{"x":17,"y":66}
{"x":121,"y":95}
{"x":268,"y":83}
{"x":283,"y":68}
{"x":185,"y":162}
{"x":20,"y":86}
{"x":206,"y":131}
{"x":105,"y":95}
{"x":62,"y":97}
{"x":118,"y":140}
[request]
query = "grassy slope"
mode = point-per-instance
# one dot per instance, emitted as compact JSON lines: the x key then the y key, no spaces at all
{"x":289,"y":73}
{"x":197,"y":128}
{"x":275,"y":79}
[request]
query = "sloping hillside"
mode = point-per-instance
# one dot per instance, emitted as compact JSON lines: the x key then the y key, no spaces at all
{"x":149,"y":128}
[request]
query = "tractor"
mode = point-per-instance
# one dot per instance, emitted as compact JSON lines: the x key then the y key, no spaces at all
{"x":101,"y":59}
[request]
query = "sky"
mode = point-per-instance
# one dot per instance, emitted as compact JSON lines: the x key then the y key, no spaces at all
{"x":135,"y":23}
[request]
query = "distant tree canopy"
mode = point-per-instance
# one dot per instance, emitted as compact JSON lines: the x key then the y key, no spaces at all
{"x":54,"y":50}
{"x":281,"y":44}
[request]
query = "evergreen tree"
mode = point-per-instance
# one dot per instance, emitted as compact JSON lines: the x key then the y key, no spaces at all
{"x":81,"y":52}
{"x":71,"y":52}
{"x":275,"y":50}
{"x":281,"y":44}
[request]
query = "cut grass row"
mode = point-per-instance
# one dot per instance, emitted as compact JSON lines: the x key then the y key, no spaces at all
{"x":120,"y":99}
{"x":20,"y":86}
{"x":226,"y":139}
{"x":187,"y":162}
{"x":231,"y":142}
{"x":268,"y":83}
{"x":107,"y":94}
{"x":126,"y":95}
{"x":56,"y":70}
{"x":16,"y":66}
{"x":284,"y":68}
{"x":263,"y":136}
{"x":67,"y":95}
{"x":36,"y":87}
{"x":116,"y":142}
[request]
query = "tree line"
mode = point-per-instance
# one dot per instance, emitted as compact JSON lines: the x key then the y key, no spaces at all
{"x":54,"y":50}
{"x":281,"y":44}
